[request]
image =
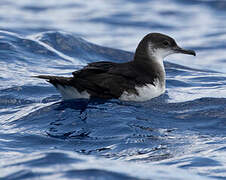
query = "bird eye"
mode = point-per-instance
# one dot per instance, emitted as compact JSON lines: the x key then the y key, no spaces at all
{"x":166,"y":43}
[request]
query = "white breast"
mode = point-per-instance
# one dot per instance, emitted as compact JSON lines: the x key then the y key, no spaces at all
{"x":69,"y":92}
{"x":145,"y":93}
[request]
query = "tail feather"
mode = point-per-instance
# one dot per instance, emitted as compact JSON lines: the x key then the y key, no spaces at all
{"x":51,"y":77}
{"x":55,"y":80}
{"x":66,"y":86}
{"x":44,"y":77}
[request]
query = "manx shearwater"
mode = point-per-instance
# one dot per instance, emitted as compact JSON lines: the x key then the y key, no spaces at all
{"x":141,"y":79}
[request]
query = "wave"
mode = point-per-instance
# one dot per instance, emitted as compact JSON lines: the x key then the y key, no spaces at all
{"x":164,"y":129}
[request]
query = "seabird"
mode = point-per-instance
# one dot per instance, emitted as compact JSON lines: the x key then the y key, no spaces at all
{"x":141,"y":79}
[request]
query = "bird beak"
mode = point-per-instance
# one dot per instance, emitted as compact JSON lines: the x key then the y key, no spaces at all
{"x":184,"y":51}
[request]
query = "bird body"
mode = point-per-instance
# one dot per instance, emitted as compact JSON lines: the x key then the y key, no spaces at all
{"x":141,"y":79}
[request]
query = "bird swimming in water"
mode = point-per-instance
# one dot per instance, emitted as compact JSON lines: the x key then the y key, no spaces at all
{"x":141,"y":79}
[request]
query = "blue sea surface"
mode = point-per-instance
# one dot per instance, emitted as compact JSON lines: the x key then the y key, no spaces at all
{"x":179,"y":135}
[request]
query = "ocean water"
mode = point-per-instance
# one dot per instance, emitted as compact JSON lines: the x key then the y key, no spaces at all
{"x":179,"y":135}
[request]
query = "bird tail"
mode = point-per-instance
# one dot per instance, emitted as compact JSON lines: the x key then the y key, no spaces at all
{"x":66,"y":86}
{"x":55,"y":80}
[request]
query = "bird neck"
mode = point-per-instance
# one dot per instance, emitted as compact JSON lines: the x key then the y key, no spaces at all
{"x":152,"y":65}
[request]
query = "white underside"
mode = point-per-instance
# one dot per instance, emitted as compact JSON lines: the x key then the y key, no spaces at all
{"x":145,"y":93}
{"x":69,"y":92}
